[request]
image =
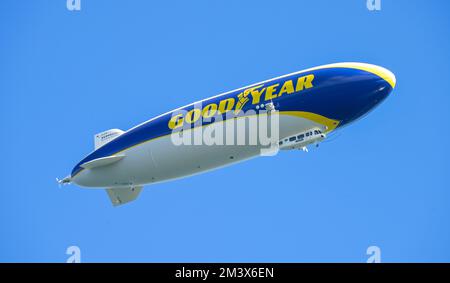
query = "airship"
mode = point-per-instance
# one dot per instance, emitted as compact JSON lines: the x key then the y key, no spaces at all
{"x":308,"y":104}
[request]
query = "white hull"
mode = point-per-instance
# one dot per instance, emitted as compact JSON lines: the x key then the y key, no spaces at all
{"x":160,"y":160}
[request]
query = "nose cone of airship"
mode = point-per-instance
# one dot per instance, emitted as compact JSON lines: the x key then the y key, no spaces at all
{"x":380,"y":84}
{"x":367,"y":87}
{"x":383,"y":73}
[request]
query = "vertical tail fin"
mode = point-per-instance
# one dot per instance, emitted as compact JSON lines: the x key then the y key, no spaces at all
{"x":122,"y":195}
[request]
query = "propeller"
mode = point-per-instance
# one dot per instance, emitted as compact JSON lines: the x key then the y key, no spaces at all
{"x":65,"y":181}
{"x":59,"y":182}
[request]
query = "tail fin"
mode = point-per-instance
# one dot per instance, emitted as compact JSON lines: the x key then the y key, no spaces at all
{"x":122,"y":195}
{"x":105,"y":137}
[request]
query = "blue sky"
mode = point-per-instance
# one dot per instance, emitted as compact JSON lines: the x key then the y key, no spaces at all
{"x":65,"y":76}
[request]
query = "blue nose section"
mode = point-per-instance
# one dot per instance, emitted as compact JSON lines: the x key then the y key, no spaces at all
{"x":348,"y":92}
{"x":363,"y":92}
{"x":344,"y":91}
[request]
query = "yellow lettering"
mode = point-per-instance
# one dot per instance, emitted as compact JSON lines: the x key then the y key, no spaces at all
{"x":270,"y":92}
{"x":176,"y":121}
{"x":256,"y":94}
{"x":209,"y":110}
{"x":226,"y":105}
{"x":304,"y":82}
{"x":288,"y":87}
{"x":193,"y":115}
{"x":242,"y":100}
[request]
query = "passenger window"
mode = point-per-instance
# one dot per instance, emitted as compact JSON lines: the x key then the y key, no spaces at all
{"x":316,"y":132}
{"x":280,"y":143}
{"x":292,"y":139}
{"x":307,"y":134}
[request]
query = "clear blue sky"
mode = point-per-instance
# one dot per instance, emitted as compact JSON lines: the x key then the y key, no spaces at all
{"x":64,"y":76}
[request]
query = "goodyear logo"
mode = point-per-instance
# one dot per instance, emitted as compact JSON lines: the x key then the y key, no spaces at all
{"x":255,"y":94}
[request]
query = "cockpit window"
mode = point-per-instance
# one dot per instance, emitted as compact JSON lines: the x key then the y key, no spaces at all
{"x":316,"y":132}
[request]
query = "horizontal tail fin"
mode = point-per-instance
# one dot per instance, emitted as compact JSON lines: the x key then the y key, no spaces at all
{"x":102,"y":161}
